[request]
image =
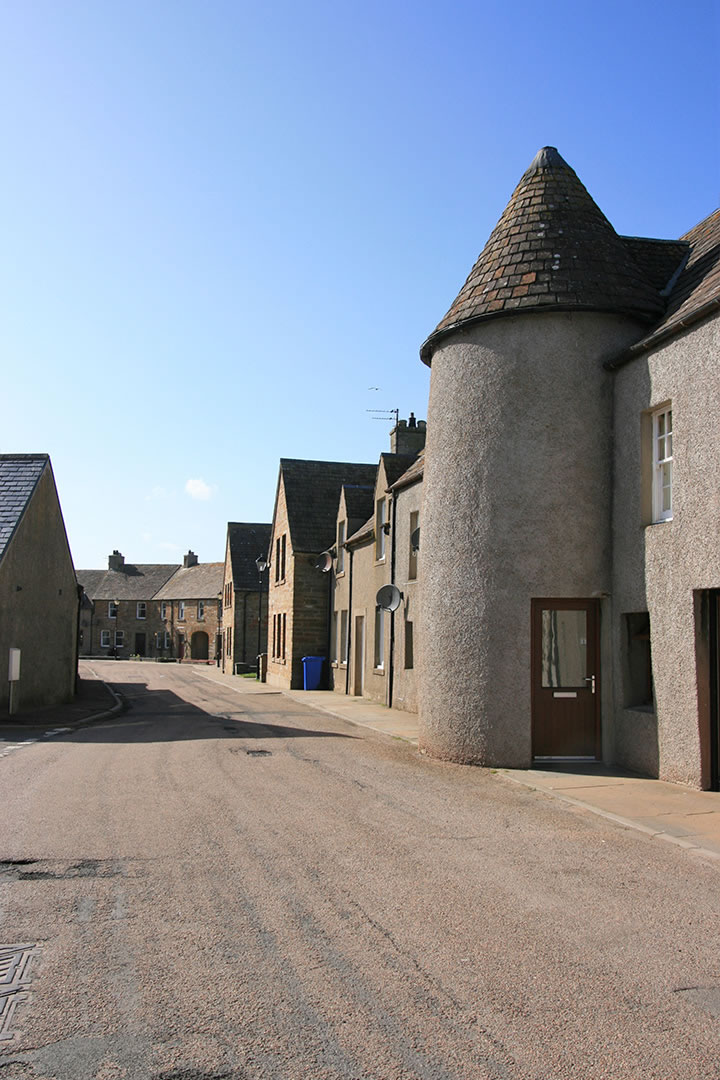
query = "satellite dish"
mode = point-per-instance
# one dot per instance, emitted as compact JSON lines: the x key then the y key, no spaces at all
{"x":415,"y":539}
{"x":324,"y":562}
{"x":388,"y":598}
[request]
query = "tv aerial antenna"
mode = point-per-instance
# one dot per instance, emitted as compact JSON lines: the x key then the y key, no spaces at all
{"x":385,"y":414}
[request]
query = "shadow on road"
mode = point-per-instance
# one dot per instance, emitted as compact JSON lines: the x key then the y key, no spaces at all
{"x":163,"y":716}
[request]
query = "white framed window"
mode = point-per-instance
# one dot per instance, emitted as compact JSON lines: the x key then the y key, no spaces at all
{"x":379,"y":661}
{"x":201,"y":610}
{"x":181,"y":610}
{"x":113,"y":610}
{"x":343,"y":651}
{"x":141,"y":609}
{"x":380,"y":522}
{"x":119,"y":639}
{"x":412,"y":554}
{"x":163,"y":610}
{"x":662,"y":436}
{"x":166,"y":644}
{"x":340,"y":564}
{"x":104,"y":639}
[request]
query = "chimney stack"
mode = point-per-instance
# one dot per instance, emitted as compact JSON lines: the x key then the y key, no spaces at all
{"x":408,"y":437}
{"x":116,"y":561}
{"x":190,"y":559}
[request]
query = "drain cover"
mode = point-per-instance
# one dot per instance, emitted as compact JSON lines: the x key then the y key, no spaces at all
{"x":14,"y":983}
{"x":258,"y":753}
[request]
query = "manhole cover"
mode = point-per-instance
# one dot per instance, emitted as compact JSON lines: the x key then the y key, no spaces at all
{"x":14,"y":980}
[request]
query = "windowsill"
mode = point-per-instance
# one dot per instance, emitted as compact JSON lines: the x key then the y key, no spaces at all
{"x":660,"y":521}
{"x":378,"y":671}
{"x":339,"y":574}
{"x":648,"y":709}
{"x":379,"y":562}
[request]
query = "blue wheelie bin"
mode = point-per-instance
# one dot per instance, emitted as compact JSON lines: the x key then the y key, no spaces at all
{"x":312,"y":671}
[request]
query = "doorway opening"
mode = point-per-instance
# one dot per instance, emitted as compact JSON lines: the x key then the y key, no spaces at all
{"x":565,"y":680}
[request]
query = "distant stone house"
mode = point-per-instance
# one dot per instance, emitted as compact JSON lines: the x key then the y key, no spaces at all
{"x":120,"y":616}
{"x":244,"y":593}
{"x":304,"y":526}
{"x":569,"y":559}
{"x":190,"y":607}
{"x":154,"y":610}
{"x":39,"y":596}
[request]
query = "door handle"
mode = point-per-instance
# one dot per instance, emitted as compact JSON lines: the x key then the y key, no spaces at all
{"x":591,"y":680}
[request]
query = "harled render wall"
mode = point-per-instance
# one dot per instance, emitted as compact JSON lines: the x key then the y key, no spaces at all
{"x":517,"y":505}
{"x":666,"y":568}
{"x":39,"y":604}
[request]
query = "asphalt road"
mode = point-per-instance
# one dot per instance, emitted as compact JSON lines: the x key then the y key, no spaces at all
{"x":221,"y":883}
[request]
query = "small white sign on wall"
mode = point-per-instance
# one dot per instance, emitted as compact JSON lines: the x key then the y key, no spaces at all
{"x":14,"y":665}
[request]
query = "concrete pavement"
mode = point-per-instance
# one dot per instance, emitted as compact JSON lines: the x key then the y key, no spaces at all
{"x":671,"y":812}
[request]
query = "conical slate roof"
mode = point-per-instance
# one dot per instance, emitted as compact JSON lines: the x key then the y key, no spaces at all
{"x":552,"y":249}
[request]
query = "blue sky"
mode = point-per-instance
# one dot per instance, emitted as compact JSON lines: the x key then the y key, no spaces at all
{"x":224,"y":222}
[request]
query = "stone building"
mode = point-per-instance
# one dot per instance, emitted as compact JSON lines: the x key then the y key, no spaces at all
{"x":120,"y":616}
{"x":39,"y":596}
{"x":154,"y":610}
{"x":304,"y":524}
{"x":244,"y":592}
{"x":569,"y":562}
{"x":371,"y":644}
{"x":190,"y":605}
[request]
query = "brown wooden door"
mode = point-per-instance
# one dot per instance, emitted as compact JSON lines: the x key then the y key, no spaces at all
{"x":565,"y":679}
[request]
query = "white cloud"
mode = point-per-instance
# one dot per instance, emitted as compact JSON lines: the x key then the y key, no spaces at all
{"x":198,"y":489}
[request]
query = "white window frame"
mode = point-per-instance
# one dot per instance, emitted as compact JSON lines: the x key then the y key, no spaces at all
{"x":181,"y":611}
{"x":163,"y":609}
{"x":662,"y":464}
{"x":380,"y":522}
{"x":104,"y":639}
{"x":141,"y":606}
{"x":201,"y":610}
{"x":343,"y":646}
{"x":113,"y":609}
{"x":166,"y":645}
{"x":119,"y":639}
{"x":340,"y":563}
{"x":379,"y":662}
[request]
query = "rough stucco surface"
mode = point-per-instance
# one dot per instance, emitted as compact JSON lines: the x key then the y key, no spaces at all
{"x":517,"y":505}
{"x":38,"y":604}
{"x":660,"y":568}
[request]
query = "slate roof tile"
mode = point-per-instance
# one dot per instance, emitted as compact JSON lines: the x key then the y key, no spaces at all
{"x":203,"y":581}
{"x":247,"y":540}
{"x":565,"y":240}
{"x":19,"y":475}
{"x":312,"y":495}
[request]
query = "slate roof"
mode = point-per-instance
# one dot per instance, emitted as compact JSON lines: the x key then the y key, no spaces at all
{"x":19,"y":475}
{"x":312,"y":496}
{"x":204,"y":581}
{"x":359,"y":499}
{"x":553,"y":248}
{"x":365,"y":532}
{"x":411,"y":475}
{"x":132,"y":582}
{"x":396,"y":465}
{"x":247,"y":540}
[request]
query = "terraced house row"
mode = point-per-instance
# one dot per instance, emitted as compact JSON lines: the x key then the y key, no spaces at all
{"x":536,"y":571}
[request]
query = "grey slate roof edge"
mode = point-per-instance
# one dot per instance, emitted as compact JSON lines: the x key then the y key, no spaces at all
{"x":28,"y":498}
{"x":200,"y":582}
{"x":413,"y":475}
{"x":312,"y":520}
{"x":364,"y":533}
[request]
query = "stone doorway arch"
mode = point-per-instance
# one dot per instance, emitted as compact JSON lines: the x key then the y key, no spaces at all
{"x":199,"y":645}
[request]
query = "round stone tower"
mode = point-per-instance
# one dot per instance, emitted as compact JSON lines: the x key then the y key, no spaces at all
{"x":517,"y":488}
